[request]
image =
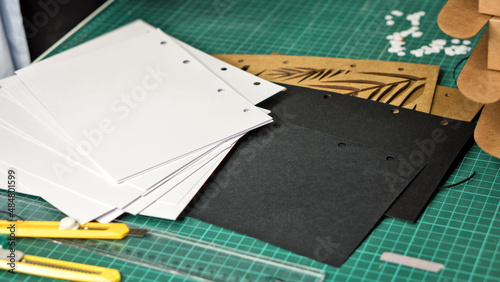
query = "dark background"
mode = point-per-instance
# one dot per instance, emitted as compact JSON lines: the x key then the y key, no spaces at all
{"x":46,"y":21}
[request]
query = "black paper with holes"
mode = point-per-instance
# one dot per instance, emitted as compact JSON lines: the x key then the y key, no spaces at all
{"x":421,"y":138}
{"x":310,"y":193}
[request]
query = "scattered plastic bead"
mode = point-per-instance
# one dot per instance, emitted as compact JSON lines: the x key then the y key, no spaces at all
{"x":397,"y":39}
{"x":439,"y":41}
{"x":449,"y":51}
{"x":397,"y":13}
{"x":417,"y":34}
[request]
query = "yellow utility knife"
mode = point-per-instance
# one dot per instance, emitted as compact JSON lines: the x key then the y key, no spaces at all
{"x":69,"y":228}
{"x":58,"y":269}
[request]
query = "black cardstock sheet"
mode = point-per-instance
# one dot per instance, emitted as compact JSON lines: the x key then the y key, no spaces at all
{"x":419,"y":137}
{"x":311,"y":193}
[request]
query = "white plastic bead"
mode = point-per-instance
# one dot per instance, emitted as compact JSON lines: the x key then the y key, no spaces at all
{"x":397,"y":13}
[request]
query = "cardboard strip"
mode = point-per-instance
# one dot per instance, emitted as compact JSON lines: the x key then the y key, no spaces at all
{"x":412,"y":262}
{"x":476,"y":82}
{"x":487,"y":133}
{"x":489,"y":7}
{"x":401,"y":84}
{"x":451,"y":103}
{"x":494,"y":44}
{"x":461,"y":18}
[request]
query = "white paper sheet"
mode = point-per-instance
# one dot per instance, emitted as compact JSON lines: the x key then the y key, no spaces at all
{"x":172,"y":118}
{"x":253,"y":88}
{"x":82,"y":209}
{"x":173,"y":189}
{"x":32,"y":158}
{"x":151,"y":196}
{"x":15,"y":89}
{"x":240,"y":80}
{"x":21,"y":120}
{"x":171,"y":205}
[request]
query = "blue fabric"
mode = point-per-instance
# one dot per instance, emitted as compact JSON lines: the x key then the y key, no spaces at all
{"x":14,"y":52}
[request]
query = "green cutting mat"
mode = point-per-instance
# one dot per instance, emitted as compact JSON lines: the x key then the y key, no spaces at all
{"x":460,"y":228}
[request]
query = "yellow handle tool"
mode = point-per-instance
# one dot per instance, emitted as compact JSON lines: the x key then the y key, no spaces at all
{"x":60,"y":269}
{"x":50,"y":229}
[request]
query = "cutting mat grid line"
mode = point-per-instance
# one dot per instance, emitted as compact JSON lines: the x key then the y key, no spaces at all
{"x":461,"y":226}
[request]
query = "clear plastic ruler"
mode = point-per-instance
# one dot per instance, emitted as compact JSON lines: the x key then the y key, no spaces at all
{"x":176,"y":254}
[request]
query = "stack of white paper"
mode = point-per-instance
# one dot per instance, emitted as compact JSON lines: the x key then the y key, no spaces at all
{"x":133,"y":121}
